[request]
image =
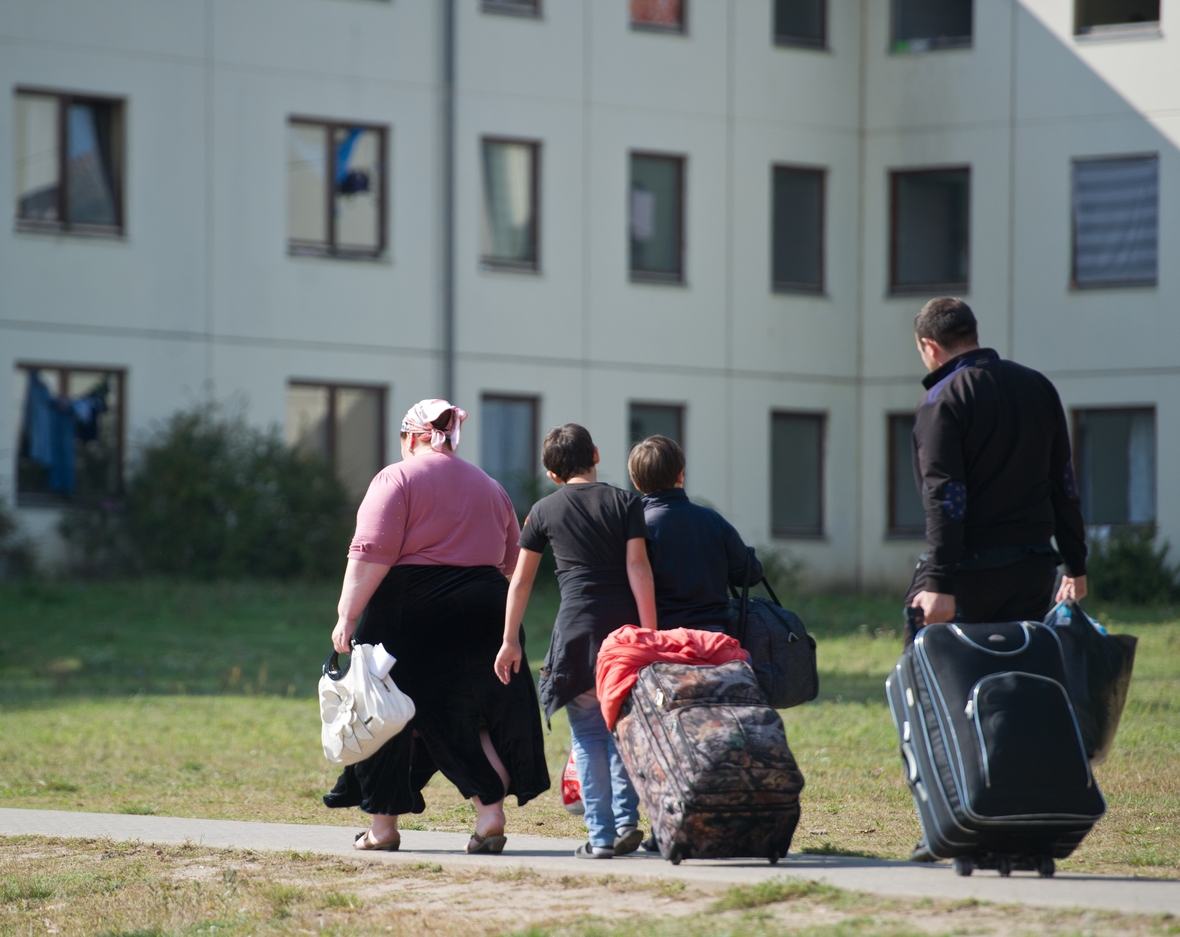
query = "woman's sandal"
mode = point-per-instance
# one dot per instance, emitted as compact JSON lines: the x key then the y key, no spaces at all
{"x":488,"y":845}
{"x":364,"y":841}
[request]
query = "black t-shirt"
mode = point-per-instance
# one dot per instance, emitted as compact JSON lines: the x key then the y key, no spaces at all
{"x":587,"y":524}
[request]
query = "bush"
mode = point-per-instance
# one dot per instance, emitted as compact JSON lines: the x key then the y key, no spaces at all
{"x":16,"y":554}
{"x":1127,"y":566}
{"x":212,"y":497}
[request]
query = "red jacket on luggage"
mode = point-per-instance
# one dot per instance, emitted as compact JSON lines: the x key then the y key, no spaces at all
{"x":629,"y":649}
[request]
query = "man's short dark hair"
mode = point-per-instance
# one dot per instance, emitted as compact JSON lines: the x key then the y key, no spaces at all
{"x":948,"y":321}
{"x":655,"y":464}
{"x":567,"y":451}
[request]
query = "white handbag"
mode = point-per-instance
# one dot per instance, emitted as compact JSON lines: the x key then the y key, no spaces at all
{"x":361,"y":707}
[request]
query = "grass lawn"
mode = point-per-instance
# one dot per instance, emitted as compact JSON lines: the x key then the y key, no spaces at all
{"x":197,"y":700}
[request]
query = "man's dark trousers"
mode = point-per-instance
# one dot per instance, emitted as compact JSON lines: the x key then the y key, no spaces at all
{"x":1021,"y":591}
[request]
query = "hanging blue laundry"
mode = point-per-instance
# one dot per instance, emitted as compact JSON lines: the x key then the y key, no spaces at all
{"x":61,"y":469}
{"x":38,"y":429}
{"x":350,"y":181}
{"x":87,"y":411}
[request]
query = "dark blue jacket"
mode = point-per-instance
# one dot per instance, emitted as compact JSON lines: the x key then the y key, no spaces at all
{"x":695,"y":553}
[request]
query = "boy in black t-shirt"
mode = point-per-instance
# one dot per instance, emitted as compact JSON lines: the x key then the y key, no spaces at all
{"x":599,"y":540}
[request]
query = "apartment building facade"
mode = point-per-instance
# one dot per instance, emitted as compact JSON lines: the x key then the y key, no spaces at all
{"x":713,"y":219}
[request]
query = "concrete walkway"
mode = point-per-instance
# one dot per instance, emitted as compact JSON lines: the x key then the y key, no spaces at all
{"x":555,"y":857}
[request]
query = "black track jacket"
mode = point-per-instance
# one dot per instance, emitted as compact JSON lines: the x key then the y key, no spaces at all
{"x":992,"y":461}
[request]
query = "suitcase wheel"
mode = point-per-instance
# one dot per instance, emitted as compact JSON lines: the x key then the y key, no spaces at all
{"x":964,"y":865}
{"x":677,"y":853}
{"x":1046,"y":866}
{"x":1004,"y":866}
{"x":773,"y":858}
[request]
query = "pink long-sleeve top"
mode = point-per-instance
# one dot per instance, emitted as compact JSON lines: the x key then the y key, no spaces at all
{"x":434,"y":509}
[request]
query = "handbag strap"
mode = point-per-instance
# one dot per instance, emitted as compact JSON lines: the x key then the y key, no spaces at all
{"x":745,"y":610}
{"x":332,"y":668}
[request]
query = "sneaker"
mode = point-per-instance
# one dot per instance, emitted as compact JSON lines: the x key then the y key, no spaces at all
{"x":922,"y":853}
{"x":587,"y":851}
{"x":628,"y":840}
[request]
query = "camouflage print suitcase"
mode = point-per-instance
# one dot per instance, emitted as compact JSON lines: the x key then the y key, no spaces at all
{"x":710,"y":761}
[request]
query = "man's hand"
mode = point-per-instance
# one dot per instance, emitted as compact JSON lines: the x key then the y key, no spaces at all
{"x":1072,"y":587}
{"x":342,"y":635}
{"x":936,"y":606}
{"x":507,"y":661}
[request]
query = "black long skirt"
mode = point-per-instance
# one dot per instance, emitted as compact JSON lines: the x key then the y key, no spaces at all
{"x":444,"y":624}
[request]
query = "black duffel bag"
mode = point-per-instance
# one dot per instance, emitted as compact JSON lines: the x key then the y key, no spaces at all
{"x":782,"y":653}
{"x":1098,"y":673}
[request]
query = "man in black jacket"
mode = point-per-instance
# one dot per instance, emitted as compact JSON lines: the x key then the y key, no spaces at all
{"x":992,"y":463}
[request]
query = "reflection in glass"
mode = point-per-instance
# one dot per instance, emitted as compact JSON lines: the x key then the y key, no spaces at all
{"x":656,"y":215}
{"x":357,"y":187}
{"x":508,"y":172}
{"x":307,"y":162}
{"x":89,"y":175}
{"x":37,"y":157}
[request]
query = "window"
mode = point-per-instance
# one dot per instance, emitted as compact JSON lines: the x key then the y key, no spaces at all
{"x":515,"y":7}
{"x":801,"y":23}
{"x":907,"y":517}
{"x":921,"y":25}
{"x":1115,"y":221}
{"x":1099,"y":16}
{"x":796,"y":474}
{"x":657,"y":218}
{"x":69,"y":163}
{"x":71,"y":433}
{"x":1115,"y":457}
{"x":661,"y":15}
{"x":798,"y":261}
{"x":336,"y":188}
{"x":510,"y":204}
{"x":653,"y":419}
{"x":342,"y":424}
{"x":931,"y":227}
{"x":508,"y":446}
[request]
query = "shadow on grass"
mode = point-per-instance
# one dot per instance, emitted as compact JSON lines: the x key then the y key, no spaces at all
{"x":851,"y":687}
{"x":827,"y":849}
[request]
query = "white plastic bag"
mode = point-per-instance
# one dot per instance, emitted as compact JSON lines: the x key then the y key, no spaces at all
{"x":360,"y":709}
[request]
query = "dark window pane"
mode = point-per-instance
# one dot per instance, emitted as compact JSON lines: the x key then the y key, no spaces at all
{"x":930,"y":228}
{"x":37,"y":157}
{"x":1093,"y":14}
{"x":801,"y":22}
{"x":798,"y":228}
{"x":656,"y":215}
{"x":509,"y":212}
{"x":906,"y":514}
{"x":656,"y":420}
{"x":508,"y":447}
{"x":658,"y":14}
{"x":1115,"y":220}
{"x":1116,"y":465}
{"x":518,"y":7}
{"x":89,"y":165}
{"x":796,"y":474}
{"x":931,"y":24}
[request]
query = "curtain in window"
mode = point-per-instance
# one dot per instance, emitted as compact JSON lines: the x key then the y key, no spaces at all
{"x":89,"y":165}
{"x":508,"y":202}
{"x":1116,"y":220}
{"x":1117,"y":466}
{"x":1141,"y":468}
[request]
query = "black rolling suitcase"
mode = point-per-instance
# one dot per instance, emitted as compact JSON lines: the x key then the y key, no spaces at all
{"x":991,"y":747}
{"x":710,"y":761}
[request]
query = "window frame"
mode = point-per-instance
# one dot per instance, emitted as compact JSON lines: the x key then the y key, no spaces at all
{"x":680,"y":30}
{"x":501,"y":264}
{"x":933,"y":44}
{"x":63,"y":225}
{"x":329,"y":248}
{"x":894,"y":530}
{"x":1113,"y":30}
{"x":1141,"y":283}
{"x":1075,"y":452}
{"x":330,"y":435}
{"x":786,"y":286}
{"x":37,"y":499}
{"x":957,"y":287}
{"x":799,"y":533}
{"x":679,"y":278}
{"x":799,"y":42}
{"x":509,"y":8}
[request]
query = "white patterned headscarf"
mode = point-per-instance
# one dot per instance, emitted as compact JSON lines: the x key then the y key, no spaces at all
{"x":420,"y":418}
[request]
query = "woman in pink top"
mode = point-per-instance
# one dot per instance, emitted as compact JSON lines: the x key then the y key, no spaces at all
{"x":435,"y":540}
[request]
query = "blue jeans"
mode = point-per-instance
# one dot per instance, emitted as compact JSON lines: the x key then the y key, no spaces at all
{"x":607,"y":793}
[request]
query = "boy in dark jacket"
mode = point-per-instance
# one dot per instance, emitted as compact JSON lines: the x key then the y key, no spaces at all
{"x":695,"y":552}
{"x":599,"y":540}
